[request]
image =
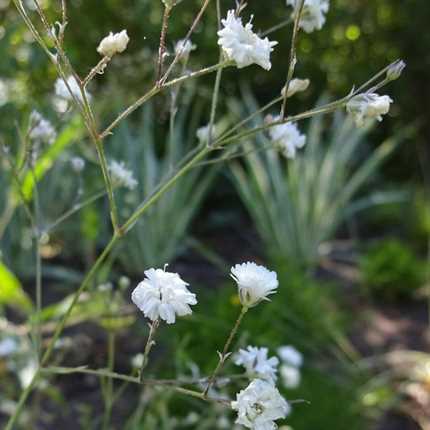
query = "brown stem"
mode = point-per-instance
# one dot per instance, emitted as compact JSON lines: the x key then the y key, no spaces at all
{"x":162,"y":48}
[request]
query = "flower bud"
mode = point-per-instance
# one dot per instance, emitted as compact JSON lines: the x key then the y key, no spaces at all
{"x":395,"y":70}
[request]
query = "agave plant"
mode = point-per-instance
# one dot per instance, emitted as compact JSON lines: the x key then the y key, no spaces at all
{"x":298,"y":204}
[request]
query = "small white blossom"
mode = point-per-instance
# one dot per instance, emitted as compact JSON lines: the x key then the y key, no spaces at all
{"x":63,"y":92}
{"x":289,"y":355}
{"x":242,"y":45}
{"x":202,"y":133}
{"x":296,"y":86}
{"x":163,"y":295}
{"x":8,"y":346}
{"x":259,"y":405}
{"x":257,"y":363}
{"x":290,"y":376}
{"x":183,"y":49}
{"x":313,"y":14}
{"x":113,"y":44}
{"x":41,"y":130}
{"x":254,"y":282}
{"x":287,"y":137}
{"x":78,"y":164}
{"x":121,"y":176}
{"x":370,"y":106}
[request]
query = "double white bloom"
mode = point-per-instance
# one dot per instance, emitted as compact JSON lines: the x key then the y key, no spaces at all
{"x":364,"y":107}
{"x":313,"y":14}
{"x":163,"y":295}
{"x":183,"y":49}
{"x":113,"y":44}
{"x":259,"y":405}
{"x":254,"y":282}
{"x":257,"y":363}
{"x":287,"y":137}
{"x":242,"y":45}
{"x":121,"y":176}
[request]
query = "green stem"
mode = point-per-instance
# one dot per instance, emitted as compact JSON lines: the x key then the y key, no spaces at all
{"x":157,"y":89}
{"x":149,"y":344}
{"x":225,"y":354}
{"x":108,"y":398}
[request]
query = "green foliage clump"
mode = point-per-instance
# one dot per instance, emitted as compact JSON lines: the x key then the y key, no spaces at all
{"x":391,"y":270}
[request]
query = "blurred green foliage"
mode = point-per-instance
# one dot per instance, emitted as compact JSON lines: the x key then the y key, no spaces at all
{"x":391,"y":270}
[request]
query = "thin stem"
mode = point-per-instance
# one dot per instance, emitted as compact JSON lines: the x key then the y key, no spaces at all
{"x":135,"y":380}
{"x":162,"y":47}
{"x":293,"y":57}
{"x":167,"y":185}
{"x":277,"y":27}
{"x":109,"y":389}
{"x":157,"y":89}
{"x":185,"y":40}
{"x":225,"y":354}
{"x":149,"y":344}
{"x":97,"y":69}
{"x":217,"y":85}
{"x":76,"y":208}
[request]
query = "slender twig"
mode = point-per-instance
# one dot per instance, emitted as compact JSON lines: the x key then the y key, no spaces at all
{"x":134,"y":380}
{"x":108,"y":397}
{"x":293,"y":57}
{"x":162,"y":47}
{"x":149,"y":344}
{"x":223,"y":356}
{"x":96,"y":70}
{"x":157,"y":89}
{"x":277,"y":27}
{"x":185,"y":40}
{"x":217,"y":85}
{"x":76,"y":208}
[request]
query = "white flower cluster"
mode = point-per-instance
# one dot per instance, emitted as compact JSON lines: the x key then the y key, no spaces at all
{"x":242,"y":45}
{"x":202,"y":133}
{"x":72,"y":89}
{"x":289,"y":370}
{"x":254,"y":282}
{"x":257,"y":364}
{"x":113,"y":44}
{"x":41,"y":130}
{"x":313,"y":14}
{"x":259,"y":405}
{"x":286,"y":137}
{"x":365,"y":107}
{"x":121,"y":176}
{"x":163,"y":295}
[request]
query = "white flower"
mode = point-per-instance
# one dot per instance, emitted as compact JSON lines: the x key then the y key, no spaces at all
{"x":313,"y":14}
{"x":41,"y":129}
{"x":63,"y":92}
{"x":290,"y":376}
{"x":113,"y":44}
{"x":183,"y":49}
{"x":370,"y":106}
{"x":256,"y":363}
{"x":202,"y":133}
{"x":8,"y":346}
{"x":259,"y":405}
{"x":242,"y":45}
{"x":287,"y":137}
{"x":254,"y":282}
{"x":78,"y":164}
{"x":163,"y":295}
{"x":121,"y":176}
{"x":289,"y":355}
{"x":296,"y":86}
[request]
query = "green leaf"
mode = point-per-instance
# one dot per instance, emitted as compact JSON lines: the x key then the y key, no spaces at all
{"x":11,"y":291}
{"x":71,"y":132}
